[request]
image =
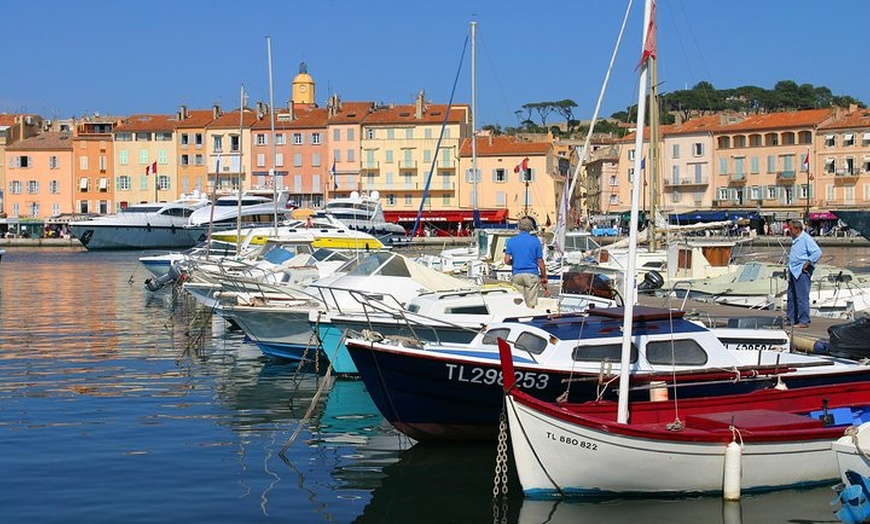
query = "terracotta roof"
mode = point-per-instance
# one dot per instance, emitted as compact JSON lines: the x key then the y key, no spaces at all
{"x":504,"y":146}
{"x":196,"y":118}
{"x":703,"y":124}
{"x":146,"y":123}
{"x":45,"y":141}
{"x":352,"y":112}
{"x":783,"y":120}
{"x":860,"y":118}
{"x":231,"y":120}
{"x":406,"y":114}
{"x":10,"y":119}
{"x":306,"y":118}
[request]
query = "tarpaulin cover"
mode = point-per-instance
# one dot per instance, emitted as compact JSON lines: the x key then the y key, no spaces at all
{"x":850,"y":340}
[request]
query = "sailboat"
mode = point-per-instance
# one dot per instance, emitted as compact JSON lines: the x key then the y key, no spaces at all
{"x":763,"y":440}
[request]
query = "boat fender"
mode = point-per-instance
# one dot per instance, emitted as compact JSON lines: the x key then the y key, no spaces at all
{"x":732,"y":473}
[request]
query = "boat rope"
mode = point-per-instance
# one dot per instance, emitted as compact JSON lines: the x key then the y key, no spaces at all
{"x":852,"y":432}
{"x":677,"y":424}
{"x":500,"y":485}
{"x":305,"y":418}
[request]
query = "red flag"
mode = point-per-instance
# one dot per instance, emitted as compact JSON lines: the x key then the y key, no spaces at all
{"x":151,"y":169}
{"x":649,"y":45}
{"x":807,"y":161}
{"x":522,"y":166}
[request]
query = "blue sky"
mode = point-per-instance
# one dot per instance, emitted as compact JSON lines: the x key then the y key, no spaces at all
{"x":122,"y":57}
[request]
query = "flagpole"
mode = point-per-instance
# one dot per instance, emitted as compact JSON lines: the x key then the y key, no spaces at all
{"x":807,"y":217}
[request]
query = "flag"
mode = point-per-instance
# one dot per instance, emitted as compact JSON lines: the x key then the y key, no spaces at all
{"x":334,"y":177}
{"x":561,"y":221}
{"x":643,"y":163}
{"x":807,"y":161}
{"x":522,"y":166}
{"x":649,"y":45}
{"x":151,"y":169}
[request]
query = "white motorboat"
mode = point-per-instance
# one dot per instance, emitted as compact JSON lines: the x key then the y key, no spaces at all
{"x":256,"y":208}
{"x":363,"y":212}
{"x":141,"y":226}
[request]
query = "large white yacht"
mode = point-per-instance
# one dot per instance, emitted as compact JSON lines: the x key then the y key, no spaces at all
{"x":141,"y":226}
{"x":363,"y":212}
{"x":256,"y":208}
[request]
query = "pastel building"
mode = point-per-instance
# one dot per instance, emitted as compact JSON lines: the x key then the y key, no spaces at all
{"x":504,"y":184}
{"x":840,"y":167}
{"x":344,"y":121}
{"x":759,"y":162}
{"x":93,"y":168}
{"x":404,"y":154}
{"x":191,"y":149}
{"x":39,"y":176}
{"x":685,"y":164}
{"x":229,"y":155}
{"x":140,"y":142}
{"x":14,"y":127}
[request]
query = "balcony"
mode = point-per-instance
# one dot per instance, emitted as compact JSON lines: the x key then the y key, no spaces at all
{"x":846,"y":177}
{"x":370,"y":166}
{"x":737,"y":179}
{"x":408,"y":164}
{"x":687,"y":182}
{"x":785,"y":176}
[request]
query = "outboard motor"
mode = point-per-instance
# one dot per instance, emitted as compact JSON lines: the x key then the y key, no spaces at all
{"x":173,"y":275}
{"x":652,"y":280}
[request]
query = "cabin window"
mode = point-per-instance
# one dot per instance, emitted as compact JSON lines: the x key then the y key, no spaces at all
{"x":684,"y":352}
{"x":601,"y":353}
{"x":492,"y":336}
{"x":475,"y":309}
{"x":531,"y":343}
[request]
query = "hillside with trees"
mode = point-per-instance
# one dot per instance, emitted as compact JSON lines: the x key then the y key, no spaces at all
{"x":702,"y":99}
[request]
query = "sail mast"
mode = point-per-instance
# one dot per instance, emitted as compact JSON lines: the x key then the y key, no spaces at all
{"x":474,"y":187}
{"x":274,"y":152}
{"x":629,"y":292}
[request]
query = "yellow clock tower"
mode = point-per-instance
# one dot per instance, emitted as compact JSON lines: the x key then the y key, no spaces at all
{"x":303,"y":86}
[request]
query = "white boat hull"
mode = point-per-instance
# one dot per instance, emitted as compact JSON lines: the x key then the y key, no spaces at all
{"x":852,"y":451}
{"x":587,"y":461}
{"x":101,"y":237}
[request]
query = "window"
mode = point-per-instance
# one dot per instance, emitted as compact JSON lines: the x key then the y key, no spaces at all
{"x":409,"y":133}
{"x":123,"y":137}
{"x":83,"y":184}
{"x":499,"y":175}
{"x":185,"y":160}
{"x":53,"y":162}
{"x":753,"y":165}
{"x":123,"y":183}
{"x":184,"y":139}
{"x":297,"y":183}
{"x":336,"y":156}
{"x":54,"y":187}
{"x":722,"y":193}
{"x":427,"y":133}
{"x":771,"y":192}
{"x":197,"y":139}
{"x":83,"y":206}
{"x":771,"y":164}
{"x":315,"y":159}
{"x":676,"y":151}
{"x":755,"y":193}
{"x":163,"y":136}
{"x":391,"y":199}
{"x":630,"y":175}
{"x":234,"y":143}
{"x":102,"y":163}
{"x":531,"y":343}
{"x":34,"y":208}
{"x":103,"y":184}
{"x":697,"y":149}
{"x":408,"y":199}
{"x":370,"y":134}
{"x":830,"y":166}
{"x":261,"y":160}
{"x":297,"y":159}
{"x":391,"y":133}
{"x":388,"y":156}
{"x":143,"y":137}
{"x":351,"y":155}
{"x":492,"y":336}
{"x":631,"y":154}
{"x":601,"y":353}
{"x":199,"y":160}
{"x":500,"y":199}
{"x":163,"y":182}
{"x":685,"y":352}
{"x":297,"y":139}
{"x":614,"y":199}
{"x":336,"y":135}
{"x":122,"y":157}
{"x":218,"y":143}
{"x":830,"y":141}
{"x":350,"y":134}
{"x":849,"y":139}
{"x":15,"y":187}
{"x":279,"y":159}
{"x":261,"y":139}
{"x":280,"y":139}
{"x":316,"y":138}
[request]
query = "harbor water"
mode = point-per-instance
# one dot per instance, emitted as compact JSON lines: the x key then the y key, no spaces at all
{"x":122,"y":405}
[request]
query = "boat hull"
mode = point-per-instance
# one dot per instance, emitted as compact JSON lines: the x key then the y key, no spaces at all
{"x":279,"y":332}
{"x":851,"y":452}
{"x":120,"y":237}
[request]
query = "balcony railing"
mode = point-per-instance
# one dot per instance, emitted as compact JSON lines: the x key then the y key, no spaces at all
{"x":684,"y":182}
{"x":737,"y":178}
{"x":785,"y":175}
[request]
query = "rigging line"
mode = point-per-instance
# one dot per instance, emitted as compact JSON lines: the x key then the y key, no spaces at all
{"x":700,"y":55}
{"x":440,"y":139}
{"x":586,"y":143}
{"x":498,"y":82}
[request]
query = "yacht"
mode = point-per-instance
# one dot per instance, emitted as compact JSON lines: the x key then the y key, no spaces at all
{"x":256,"y":208}
{"x":141,"y":226}
{"x":363,"y":212}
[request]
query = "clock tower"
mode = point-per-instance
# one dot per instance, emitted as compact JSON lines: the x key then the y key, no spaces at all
{"x":303,"y":86}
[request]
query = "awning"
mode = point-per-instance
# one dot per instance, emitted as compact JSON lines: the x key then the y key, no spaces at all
{"x":823,"y":215}
{"x":447,"y":215}
{"x":694,"y":217}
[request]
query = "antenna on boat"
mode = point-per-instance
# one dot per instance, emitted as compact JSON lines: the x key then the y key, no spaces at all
{"x":241,"y":134}
{"x":629,"y":291}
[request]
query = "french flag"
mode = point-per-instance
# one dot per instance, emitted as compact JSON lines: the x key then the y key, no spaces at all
{"x":151,"y":169}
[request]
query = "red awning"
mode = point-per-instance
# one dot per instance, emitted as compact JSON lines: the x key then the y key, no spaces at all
{"x":449,"y":216}
{"x":825,"y":215}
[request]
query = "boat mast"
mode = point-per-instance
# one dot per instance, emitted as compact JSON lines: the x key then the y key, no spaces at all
{"x":629,"y":291}
{"x":239,"y":209}
{"x":272,"y":118}
{"x":654,"y":140}
{"x":474,"y":187}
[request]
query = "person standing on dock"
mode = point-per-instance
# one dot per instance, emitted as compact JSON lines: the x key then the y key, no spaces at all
{"x":805,"y":254}
{"x":525,"y":254}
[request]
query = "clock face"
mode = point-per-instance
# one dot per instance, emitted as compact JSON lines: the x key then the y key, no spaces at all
{"x":303,"y":88}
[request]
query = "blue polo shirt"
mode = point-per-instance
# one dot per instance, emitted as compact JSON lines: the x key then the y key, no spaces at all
{"x":803,"y":249}
{"x":525,"y":251}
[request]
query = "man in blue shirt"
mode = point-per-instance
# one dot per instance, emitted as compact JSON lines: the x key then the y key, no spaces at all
{"x":525,"y":255}
{"x":804,"y":255}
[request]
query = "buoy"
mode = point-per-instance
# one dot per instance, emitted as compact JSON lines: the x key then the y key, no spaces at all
{"x":732,"y":474}
{"x":658,"y":390}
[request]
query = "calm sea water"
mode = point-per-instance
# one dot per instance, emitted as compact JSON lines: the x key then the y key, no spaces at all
{"x":121,"y":405}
